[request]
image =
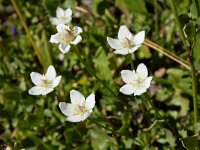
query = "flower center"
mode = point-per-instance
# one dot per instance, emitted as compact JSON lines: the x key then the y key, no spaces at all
{"x":67,"y":36}
{"x":45,"y":83}
{"x":79,"y":110}
{"x":127,"y":43}
{"x":63,"y":18}
{"x":138,"y":83}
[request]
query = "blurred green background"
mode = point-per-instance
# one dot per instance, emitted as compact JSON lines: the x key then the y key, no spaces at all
{"x":35,"y":122}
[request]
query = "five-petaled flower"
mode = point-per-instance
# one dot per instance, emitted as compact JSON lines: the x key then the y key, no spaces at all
{"x":126,"y":42}
{"x":44,"y":84}
{"x":80,"y":108}
{"x":136,"y":82}
{"x":66,"y":36}
{"x":62,"y":16}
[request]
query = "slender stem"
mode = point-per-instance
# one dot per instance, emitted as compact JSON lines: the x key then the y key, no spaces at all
{"x":22,"y":20}
{"x":190,"y":55}
{"x":99,"y":124}
{"x":90,"y":70}
{"x":131,"y":61}
{"x":167,"y":53}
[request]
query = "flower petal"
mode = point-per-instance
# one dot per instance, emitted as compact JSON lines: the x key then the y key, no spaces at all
{"x":77,"y":40}
{"x":64,"y":47}
{"x":139,"y":91}
{"x":127,"y":89}
{"x":61,"y":28}
{"x":142,"y":71}
{"x":36,"y":78}
{"x":139,"y":38}
{"x":54,"y":21}
{"x":55,"y":38}
{"x":123,"y":51}
{"x":86,"y":115}
{"x":75,"y":118}
{"x":68,"y":12}
{"x":59,"y":12}
{"x":56,"y":81}
{"x":36,"y":90}
{"x":77,"y":98}
{"x":51,"y":73}
{"x":66,"y":108}
{"x":128,"y":76}
{"x":47,"y":90}
{"x":131,"y":50}
{"x":90,"y":102}
{"x":124,"y":33}
{"x":147,"y":82}
{"x":114,"y":43}
{"x":77,"y":30}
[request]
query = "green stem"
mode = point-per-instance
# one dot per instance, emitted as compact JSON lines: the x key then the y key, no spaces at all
{"x":131,"y":61}
{"x":90,"y":70}
{"x":190,"y":55}
{"x":99,"y":124}
{"x":22,"y":20}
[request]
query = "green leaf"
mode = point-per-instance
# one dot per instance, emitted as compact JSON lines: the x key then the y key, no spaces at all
{"x":125,"y":121}
{"x":190,"y":31}
{"x":100,"y":140}
{"x":133,"y":6}
{"x":196,"y":52}
{"x":102,"y":64}
{"x":190,"y":142}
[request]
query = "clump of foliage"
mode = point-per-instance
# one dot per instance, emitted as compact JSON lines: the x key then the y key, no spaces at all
{"x":161,"y":118}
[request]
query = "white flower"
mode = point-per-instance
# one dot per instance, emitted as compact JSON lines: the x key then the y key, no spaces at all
{"x":126,"y":42}
{"x":79,"y":109}
{"x":44,"y":84}
{"x":66,"y":36}
{"x":136,"y":82}
{"x":62,"y":16}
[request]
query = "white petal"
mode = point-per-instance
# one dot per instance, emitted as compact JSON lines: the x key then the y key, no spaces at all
{"x":64,"y":47}
{"x":56,"y":81}
{"x":61,"y":28}
{"x":36,"y":90}
{"x":36,"y":78}
{"x":142,"y":71}
{"x":66,"y":108}
{"x":77,"y":30}
{"x":77,"y":98}
{"x":139,"y":91}
{"x":139,"y":38}
{"x":147,"y":82}
{"x":51,"y":73}
{"x":47,"y":90}
{"x":60,"y":12}
{"x":124,"y":33}
{"x":86,"y":115}
{"x":76,"y":118}
{"x":114,"y":43}
{"x":77,"y":40}
{"x":54,"y":21}
{"x":68,"y":20}
{"x":128,"y":76}
{"x":123,"y":51}
{"x":127,"y":89}
{"x":68,"y":12}
{"x":55,"y":38}
{"x":90,"y":102}
{"x":131,"y":50}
